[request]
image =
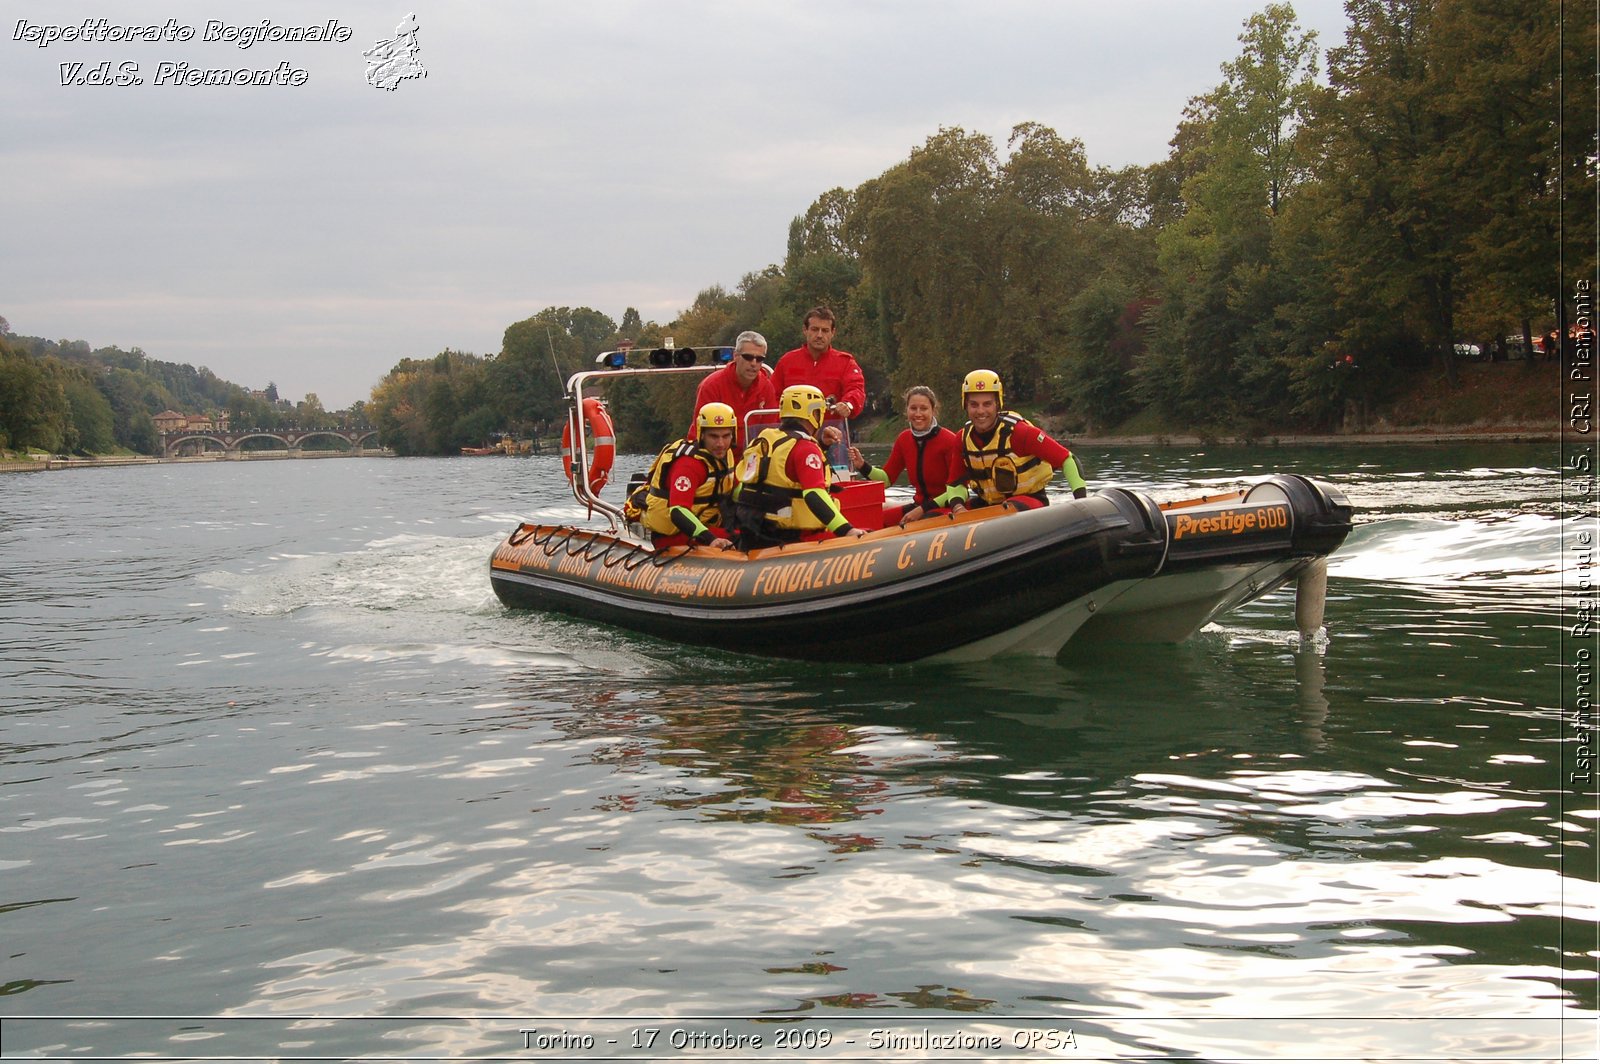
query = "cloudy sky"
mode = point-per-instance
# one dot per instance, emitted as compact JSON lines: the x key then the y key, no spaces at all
{"x":612,"y":154}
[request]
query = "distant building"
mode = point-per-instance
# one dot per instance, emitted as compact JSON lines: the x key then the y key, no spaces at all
{"x":172,"y":421}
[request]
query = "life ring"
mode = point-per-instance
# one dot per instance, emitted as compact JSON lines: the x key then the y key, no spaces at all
{"x":598,"y":422}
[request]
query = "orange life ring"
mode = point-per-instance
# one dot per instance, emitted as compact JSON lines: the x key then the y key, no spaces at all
{"x":604,"y":452}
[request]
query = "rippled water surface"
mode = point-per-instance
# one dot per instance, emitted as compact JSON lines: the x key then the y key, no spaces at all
{"x":280,"y":778}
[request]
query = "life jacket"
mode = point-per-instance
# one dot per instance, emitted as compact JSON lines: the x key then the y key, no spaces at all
{"x":996,"y":472}
{"x":765,"y":493}
{"x":709,"y":497}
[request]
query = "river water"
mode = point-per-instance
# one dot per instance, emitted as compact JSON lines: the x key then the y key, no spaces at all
{"x":279,"y":778}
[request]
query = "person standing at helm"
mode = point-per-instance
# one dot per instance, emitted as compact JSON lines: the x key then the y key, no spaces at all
{"x":818,"y":363}
{"x":745,"y":384}
{"x":782,"y":490}
{"x":688,"y":486}
{"x":1008,"y":458}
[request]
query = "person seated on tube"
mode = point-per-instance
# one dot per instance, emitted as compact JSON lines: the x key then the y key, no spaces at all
{"x":1007,"y":457}
{"x":688,"y":486}
{"x":782,"y":490}
{"x":930,"y":456}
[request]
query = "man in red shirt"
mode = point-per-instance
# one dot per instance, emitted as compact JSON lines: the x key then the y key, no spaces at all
{"x":745,"y":384}
{"x":822,"y":365}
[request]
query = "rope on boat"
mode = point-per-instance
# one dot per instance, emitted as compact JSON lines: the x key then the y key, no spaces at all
{"x":661,"y":559}
{"x":644,"y":555}
{"x":546,"y":545}
{"x":555,"y":538}
{"x":607,"y":562}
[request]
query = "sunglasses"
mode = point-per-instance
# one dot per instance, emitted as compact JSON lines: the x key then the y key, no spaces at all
{"x":752,"y":358}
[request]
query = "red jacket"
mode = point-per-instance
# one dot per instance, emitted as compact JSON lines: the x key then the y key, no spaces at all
{"x":933,"y":463}
{"x":807,"y":465}
{"x":837,"y":373}
{"x":723,"y":387}
{"x":684,"y":478}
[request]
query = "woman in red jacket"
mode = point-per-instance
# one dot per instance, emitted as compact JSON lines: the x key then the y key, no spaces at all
{"x":928,"y":454}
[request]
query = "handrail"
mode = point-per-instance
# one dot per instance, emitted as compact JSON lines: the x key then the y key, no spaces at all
{"x":580,"y":446}
{"x":840,"y":423}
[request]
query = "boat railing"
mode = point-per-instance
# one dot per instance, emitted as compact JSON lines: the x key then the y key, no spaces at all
{"x":838,"y":452}
{"x":663,"y":361}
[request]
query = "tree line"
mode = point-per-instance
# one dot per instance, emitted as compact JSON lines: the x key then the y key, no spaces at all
{"x":62,"y":396}
{"x":1327,"y":225}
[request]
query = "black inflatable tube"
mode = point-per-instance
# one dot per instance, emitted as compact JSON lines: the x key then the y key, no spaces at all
{"x":923,"y":589}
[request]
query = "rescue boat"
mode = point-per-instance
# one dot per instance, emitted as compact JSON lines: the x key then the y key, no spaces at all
{"x":990,"y":582}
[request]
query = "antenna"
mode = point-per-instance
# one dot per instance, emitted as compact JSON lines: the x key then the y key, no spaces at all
{"x":553,"y":363}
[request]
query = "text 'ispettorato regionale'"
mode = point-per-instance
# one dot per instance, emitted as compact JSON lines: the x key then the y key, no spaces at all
{"x":213,"y":31}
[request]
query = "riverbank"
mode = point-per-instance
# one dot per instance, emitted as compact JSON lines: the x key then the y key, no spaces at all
{"x":44,"y":463}
{"x":1500,"y":402}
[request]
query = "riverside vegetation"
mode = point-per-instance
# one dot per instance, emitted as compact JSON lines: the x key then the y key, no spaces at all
{"x":1329,"y":230}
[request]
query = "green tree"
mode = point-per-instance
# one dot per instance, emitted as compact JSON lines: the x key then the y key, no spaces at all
{"x":1056,"y":222}
{"x":132,"y":398}
{"x":1498,"y":69}
{"x":539,"y":354}
{"x":91,"y":418}
{"x":34,"y":412}
{"x":1103,"y":328}
{"x":927,"y":252}
{"x":1403,"y":229}
{"x":1219,"y":356}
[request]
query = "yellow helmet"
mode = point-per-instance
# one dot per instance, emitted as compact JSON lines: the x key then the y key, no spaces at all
{"x":716,"y":416}
{"x":982,"y":382}
{"x":804,"y":401}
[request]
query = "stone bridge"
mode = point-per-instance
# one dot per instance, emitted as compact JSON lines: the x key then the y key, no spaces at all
{"x":173,"y":442}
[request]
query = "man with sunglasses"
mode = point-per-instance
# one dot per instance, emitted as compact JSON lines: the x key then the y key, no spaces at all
{"x":744,"y":384}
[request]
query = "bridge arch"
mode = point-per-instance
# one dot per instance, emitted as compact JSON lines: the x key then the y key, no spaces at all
{"x":172,"y":445}
{"x":297,"y":439}
{"x":231,"y":443}
{"x":276,"y":437}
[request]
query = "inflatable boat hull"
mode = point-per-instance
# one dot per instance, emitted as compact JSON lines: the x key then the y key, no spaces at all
{"x":988,"y":582}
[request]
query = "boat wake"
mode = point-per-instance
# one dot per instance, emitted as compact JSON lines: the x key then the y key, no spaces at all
{"x":1499,"y":550}
{"x":413,"y":602}
{"x":405,"y":573}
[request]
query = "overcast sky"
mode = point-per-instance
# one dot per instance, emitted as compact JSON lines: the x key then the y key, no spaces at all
{"x":612,"y":154}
